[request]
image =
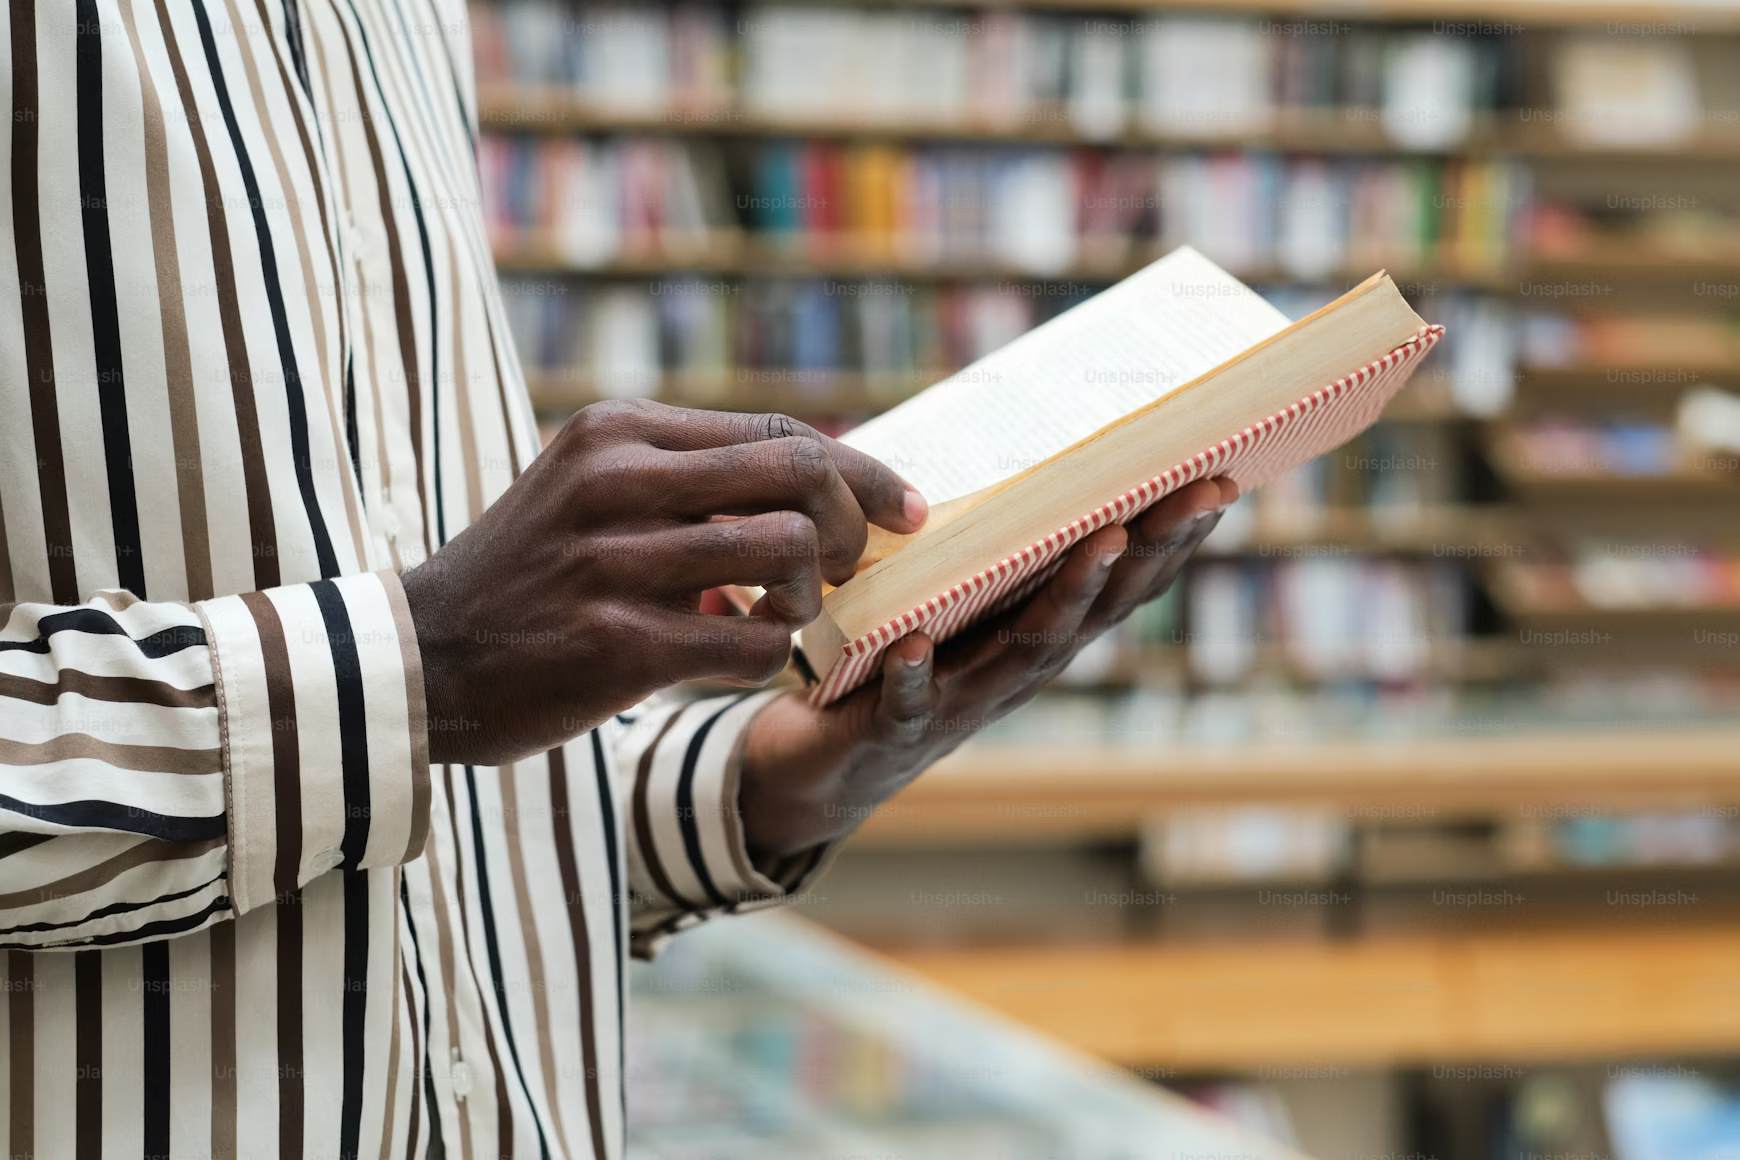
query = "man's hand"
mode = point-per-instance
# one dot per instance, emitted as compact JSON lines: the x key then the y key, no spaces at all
{"x":577,"y":594}
{"x":811,"y":775}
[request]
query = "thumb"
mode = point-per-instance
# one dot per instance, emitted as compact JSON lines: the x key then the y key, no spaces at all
{"x":904,"y":709}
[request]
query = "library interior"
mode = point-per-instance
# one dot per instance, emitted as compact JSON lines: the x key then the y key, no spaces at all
{"x":1407,"y":823}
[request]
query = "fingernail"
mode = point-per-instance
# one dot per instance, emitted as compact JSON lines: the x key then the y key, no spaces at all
{"x":912,"y":662}
{"x":916,"y":508}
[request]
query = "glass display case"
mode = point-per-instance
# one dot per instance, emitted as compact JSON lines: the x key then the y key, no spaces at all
{"x":766,"y":1038}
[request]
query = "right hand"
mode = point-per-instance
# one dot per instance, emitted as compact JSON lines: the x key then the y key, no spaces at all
{"x":577,"y":593}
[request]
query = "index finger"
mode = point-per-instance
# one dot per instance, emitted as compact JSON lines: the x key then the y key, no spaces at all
{"x":888,"y":501}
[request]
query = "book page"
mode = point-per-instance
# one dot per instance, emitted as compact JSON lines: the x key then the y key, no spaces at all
{"x":1160,"y":328}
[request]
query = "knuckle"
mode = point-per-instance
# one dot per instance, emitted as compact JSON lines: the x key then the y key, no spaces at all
{"x":766,"y":652}
{"x":774,"y":426}
{"x":805,"y":463}
{"x":793,"y":536}
{"x":620,"y":470}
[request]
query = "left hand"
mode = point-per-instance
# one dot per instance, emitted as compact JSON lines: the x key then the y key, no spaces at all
{"x":811,"y":775}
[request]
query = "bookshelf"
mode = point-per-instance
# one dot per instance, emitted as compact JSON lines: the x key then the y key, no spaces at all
{"x":733,"y":256}
{"x":990,"y":794}
{"x":1588,"y":281}
{"x":520,"y":110}
{"x":1695,"y":18}
{"x":1490,"y":999}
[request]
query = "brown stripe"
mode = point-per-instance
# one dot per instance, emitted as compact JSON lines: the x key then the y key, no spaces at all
{"x":21,"y":1032}
{"x":289,"y":984}
{"x":293,"y":206}
{"x":732,"y":819}
{"x":177,"y":362}
{"x":387,"y":462}
{"x":401,"y":292}
{"x":368,"y":382}
{"x":649,"y":854}
{"x":144,"y":758}
{"x":223,"y":1041}
{"x":88,"y":1050}
{"x":415,"y":1126}
{"x":127,"y":690}
{"x":262,"y":528}
{"x":462,"y":395}
{"x":533,"y":946}
{"x":148,"y":851}
{"x":417,"y":711}
{"x":286,"y":741}
{"x":444,"y":950}
{"x":33,"y":305}
{"x":501,"y":389}
{"x":117,"y":598}
{"x":348,"y":480}
{"x":390,"y":1093}
{"x":562,"y":818}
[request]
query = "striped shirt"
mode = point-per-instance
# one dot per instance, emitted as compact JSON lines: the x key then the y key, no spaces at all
{"x":253,"y":364}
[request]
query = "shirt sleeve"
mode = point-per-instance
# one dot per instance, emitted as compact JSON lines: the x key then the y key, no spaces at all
{"x":679,"y":763}
{"x":164,"y":766}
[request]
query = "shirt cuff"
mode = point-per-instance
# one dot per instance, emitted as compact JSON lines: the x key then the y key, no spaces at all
{"x":325,"y":738}
{"x":689,"y":860}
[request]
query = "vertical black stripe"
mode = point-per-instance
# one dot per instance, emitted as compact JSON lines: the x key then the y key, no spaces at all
{"x":428,"y":276}
{"x":154,"y":995}
{"x":686,"y":803}
{"x":351,"y":437}
{"x":353,"y":743}
{"x":33,"y":308}
{"x":298,"y":55}
{"x":437,"y":1148}
{"x":356,"y":1009}
{"x":105,"y":314}
{"x":88,"y":1053}
{"x":618,"y":909}
{"x":292,"y":1060}
{"x":486,"y":904}
{"x":300,"y":455}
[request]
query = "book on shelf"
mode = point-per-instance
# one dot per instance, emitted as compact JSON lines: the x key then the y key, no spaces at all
{"x":1178,"y":373}
{"x":1087,"y":75}
{"x":1041,"y":212}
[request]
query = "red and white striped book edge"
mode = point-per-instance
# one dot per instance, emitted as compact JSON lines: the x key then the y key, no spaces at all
{"x":1250,"y":457}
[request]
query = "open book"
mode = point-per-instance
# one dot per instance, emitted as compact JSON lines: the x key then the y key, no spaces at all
{"x":1177,"y":373}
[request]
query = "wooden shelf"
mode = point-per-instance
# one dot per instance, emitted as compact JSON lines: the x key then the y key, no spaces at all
{"x":1411,"y":530}
{"x":732,"y":255}
{"x":1516,"y":17}
{"x":737,"y":255}
{"x":1370,"y":1003}
{"x":797,"y":393}
{"x":991,"y":794}
{"x":1527,"y":604}
{"x":557,"y":109}
{"x":1669,"y":380}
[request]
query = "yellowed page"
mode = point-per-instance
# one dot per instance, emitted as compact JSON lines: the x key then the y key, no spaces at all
{"x":1169,"y":323}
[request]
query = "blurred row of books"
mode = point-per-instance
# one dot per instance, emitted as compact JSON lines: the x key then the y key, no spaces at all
{"x":1097,"y":77}
{"x":581,"y":203}
{"x":1578,"y":686}
{"x":785,"y":343}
